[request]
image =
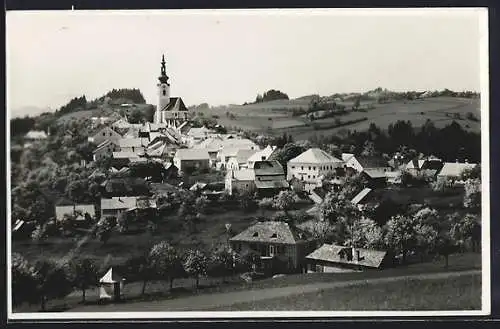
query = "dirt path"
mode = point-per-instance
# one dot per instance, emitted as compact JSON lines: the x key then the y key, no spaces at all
{"x":210,"y":301}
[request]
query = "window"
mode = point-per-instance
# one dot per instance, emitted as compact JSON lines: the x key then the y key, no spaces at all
{"x":164,"y":92}
{"x":302,"y":167}
{"x":314,"y":176}
{"x":293,"y":167}
{"x":308,"y":176}
{"x":274,"y":236}
{"x":314,"y":168}
{"x":255,"y":234}
{"x":104,"y":133}
{"x":309,"y":167}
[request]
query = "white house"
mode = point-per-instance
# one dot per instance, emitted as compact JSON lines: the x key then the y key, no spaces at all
{"x":114,"y":206}
{"x":104,"y":134}
{"x":105,"y":150}
{"x":191,"y":159}
{"x":312,"y":166}
{"x":453,"y":170}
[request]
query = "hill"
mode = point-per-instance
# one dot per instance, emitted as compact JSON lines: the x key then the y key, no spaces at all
{"x":277,"y":116}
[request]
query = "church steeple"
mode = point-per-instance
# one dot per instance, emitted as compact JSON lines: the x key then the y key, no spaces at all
{"x":163,"y":77}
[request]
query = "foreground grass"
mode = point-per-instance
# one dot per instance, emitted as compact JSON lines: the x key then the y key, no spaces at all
{"x":460,"y":293}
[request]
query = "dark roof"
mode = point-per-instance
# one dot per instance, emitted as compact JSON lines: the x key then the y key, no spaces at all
{"x":176,"y":104}
{"x":433,"y":165}
{"x":270,"y":167}
{"x":272,"y":232}
{"x":372,"y":161}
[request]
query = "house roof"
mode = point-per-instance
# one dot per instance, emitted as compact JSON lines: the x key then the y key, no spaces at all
{"x":111,"y":277}
{"x":243,"y":174}
{"x":68,"y":209}
{"x":124,"y":202}
{"x":372,"y":162}
{"x":271,"y":184}
{"x":175,"y":104}
{"x":315,"y":155}
{"x":133,"y":142}
{"x":332,"y":253}
{"x":192,"y":154}
{"x":360,"y":196}
{"x":268,"y":167}
{"x":36,"y":134}
{"x":102,"y":145}
{"x":197,"y":186}
{"x":124,"y":155}
{"x":374,"y":173}
{"x":263,"y":154}
{"x":454,"y":169}
{"x":346,"y":156}
{"x":272,"y":232}
{"x":202,"y":131}
{"x":242,"y":156}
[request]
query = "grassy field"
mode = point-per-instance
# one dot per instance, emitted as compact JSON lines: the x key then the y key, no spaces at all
{"x":276,"y":117}
{"x":460,"y":293}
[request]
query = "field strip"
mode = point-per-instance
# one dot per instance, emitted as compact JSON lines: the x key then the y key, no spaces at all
{"x":210,"y":301}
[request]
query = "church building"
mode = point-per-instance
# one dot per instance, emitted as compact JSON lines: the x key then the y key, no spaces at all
{"x":170,"y":110}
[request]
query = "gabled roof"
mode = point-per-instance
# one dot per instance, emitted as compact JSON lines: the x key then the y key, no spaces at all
{"x":202,"y":131}
{"x":69,"y":209}
{"x":272,"y":232}
{"x":374,"y":173}
{"x":372,"y":162}
{"x":315,"y":155}
{"x":124,"y":202}
{"x":346,"y":156}
{"x":133,"y":142}
{"x":454,"y":169}
{"x":360,"y":196}
{"x":111,"y":277}
{"x":243,"y":155}
{"x":332,"y":253}
{"x":263,"y":154}
{"x":176,"y":104}
{"x":243,"y":174}
{"x":102,"y":145}
{"x":192,"y":154}
{"x":268,"y":167}
{"x":124,"y":155}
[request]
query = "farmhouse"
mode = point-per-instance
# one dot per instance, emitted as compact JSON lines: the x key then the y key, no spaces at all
{"x":105,"y":150}
{"x":428,"y":167}
{"x":361,"y":199}
{"x":332,"y":258}
{"x":229,"y":147}
{"x":312,"y":166}
{"x":80,"y":210}
{"x":269,"y":177}
{"x":133,"y":145}
{"x":104,"y":134}
{"x":275,"y":243}
{"x":370,"y":163}
{"x":114,"y":206}
{"x":191,"y":159}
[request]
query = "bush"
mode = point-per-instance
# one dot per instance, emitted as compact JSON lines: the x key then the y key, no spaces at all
{"x":266,"y":203}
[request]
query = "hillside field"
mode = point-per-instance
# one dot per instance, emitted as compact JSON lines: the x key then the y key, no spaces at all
{"x":276,"y":116}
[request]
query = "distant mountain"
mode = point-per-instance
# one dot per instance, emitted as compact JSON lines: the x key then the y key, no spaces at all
{"x":31,"y":111}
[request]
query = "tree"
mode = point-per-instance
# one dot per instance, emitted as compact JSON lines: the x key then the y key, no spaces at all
{"x":23,"y":281}
{"x":201,"y":204}
{"x":52,"y":281}
{"x":285,"y":200}
{"x":85,"y":274}
{"x":166,"y":262}
{"x":472,"y":196}
{"x":465,"y":230}
{"x":105,"y":228}
{"x":196,"y":264}
{"x":320,"y":230}
{"x":400,"y":234}
{"x":122,"y":222}
{"x":367,"y":234}
{"x":141,"y":268}
{"x":39,"y":233}
{"x":221,"y":263}
{"x":247,"y":201}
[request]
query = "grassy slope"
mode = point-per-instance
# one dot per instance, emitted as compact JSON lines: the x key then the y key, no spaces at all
{"x":461,"y":293}
{"x":277,"y":115}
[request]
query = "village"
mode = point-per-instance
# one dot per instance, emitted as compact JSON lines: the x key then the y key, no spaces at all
{"x":321,"y":211}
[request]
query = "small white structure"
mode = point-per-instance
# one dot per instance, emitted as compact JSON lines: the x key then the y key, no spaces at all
{"x":36,"y":135}
{"x":111,"y":286}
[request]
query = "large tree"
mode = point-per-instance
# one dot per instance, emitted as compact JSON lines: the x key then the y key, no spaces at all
{"x":166,"y":261}
{"x":52,"y":281}
{"x":196,"y":264}
{"x":84,"y":274}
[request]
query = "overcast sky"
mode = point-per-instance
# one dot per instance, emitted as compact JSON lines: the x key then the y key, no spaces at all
{"x":223,"y":57}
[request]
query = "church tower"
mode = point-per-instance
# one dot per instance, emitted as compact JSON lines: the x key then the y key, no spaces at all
{"x":163,"y":92}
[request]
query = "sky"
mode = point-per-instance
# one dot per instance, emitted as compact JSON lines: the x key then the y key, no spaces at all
{"x":226,"y":57}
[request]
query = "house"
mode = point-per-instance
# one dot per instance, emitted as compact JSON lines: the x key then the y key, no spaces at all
{"x":361,"y":198}
{"x":347,"y":156}
{"x":375,"y":177}
{"x":361,"y":163}
{"x":261,"y":155}
{"x":275,"y":243}
{"x":111,"y":286}
{"x":269,"y":177}
{"x":34,"y":135}
{"x":241,"y":181}
{"x":133,"y":145}
{"x":393,"y":177}
{"x":453,"y":170}
{"x":196,"y":135}
{"x":103,"y":134}
{"x":100,"y":120}
{"x":428,"y":167}
{"x":312,"y":166}
{"x":114,"y":206}
{"x":229,"y":146}
{"x":238,"y":158}
{"x":331,"y":258}
{"x":76,"y":209}
{"x":105,"y":150}
{"x":191,"y":159}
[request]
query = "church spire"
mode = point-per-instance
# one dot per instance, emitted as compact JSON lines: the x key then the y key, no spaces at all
{"x":163,"y":77}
